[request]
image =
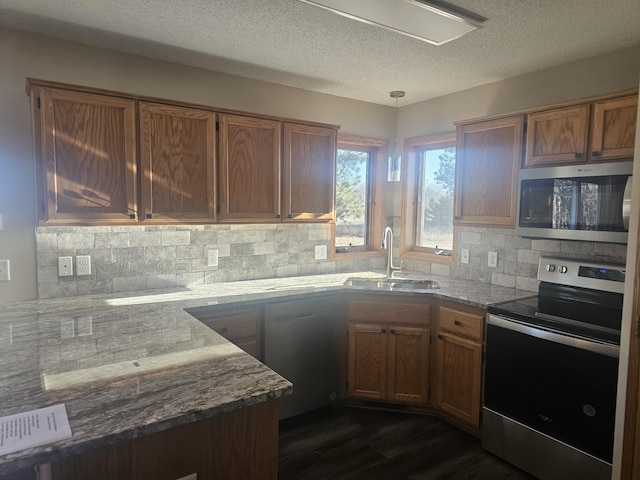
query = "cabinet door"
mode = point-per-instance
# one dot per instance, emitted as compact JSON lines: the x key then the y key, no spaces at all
{"x":249,"y":168}
{"x":367,"y":361}
{"x":557,"y":136}
{"x":458,"y":377}
{"x":177,"y":148}
{"x":309,"y":172}
{"x":88,"y":158}
{"x":408,"y":369}
{"x":487,"y":162}
{"x":241,"y":327}
{"x":614,"y":128}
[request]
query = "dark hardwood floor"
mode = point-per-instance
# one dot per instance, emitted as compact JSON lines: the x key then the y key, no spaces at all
{"x":353,"y":443}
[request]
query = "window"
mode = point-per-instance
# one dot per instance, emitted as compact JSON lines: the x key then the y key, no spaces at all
{"x":428,"y":185}
{"x":360,"y":196}
{"x":353,"y":188}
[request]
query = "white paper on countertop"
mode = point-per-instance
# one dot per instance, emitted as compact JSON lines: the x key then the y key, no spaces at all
{"x":34,"y":428}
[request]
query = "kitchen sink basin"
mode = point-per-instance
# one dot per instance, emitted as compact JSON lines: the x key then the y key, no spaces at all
{"x":392,"y":283}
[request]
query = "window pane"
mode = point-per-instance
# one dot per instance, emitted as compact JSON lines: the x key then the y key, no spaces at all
{"x":352,"y":192}
{"x":435,"y":213}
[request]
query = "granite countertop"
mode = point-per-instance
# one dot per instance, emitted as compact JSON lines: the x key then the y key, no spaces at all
{"x":132,"y":364}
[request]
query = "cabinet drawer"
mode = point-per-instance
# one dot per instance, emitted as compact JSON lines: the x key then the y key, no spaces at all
{"x":392,"y":311}
{"x":460,"y":322}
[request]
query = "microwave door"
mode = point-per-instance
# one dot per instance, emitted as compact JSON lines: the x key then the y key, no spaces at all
{"x":581,"y":202}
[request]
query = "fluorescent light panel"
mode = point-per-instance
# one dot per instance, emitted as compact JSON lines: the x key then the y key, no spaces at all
{"x":428,"y":21}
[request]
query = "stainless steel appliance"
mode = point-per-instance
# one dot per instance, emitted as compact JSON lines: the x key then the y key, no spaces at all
{"x":301,"y":344}
{"x":587,"y":202}
{"x":551,"y":372}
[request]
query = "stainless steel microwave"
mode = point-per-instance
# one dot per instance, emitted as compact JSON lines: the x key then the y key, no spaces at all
{"x":577,"y":202}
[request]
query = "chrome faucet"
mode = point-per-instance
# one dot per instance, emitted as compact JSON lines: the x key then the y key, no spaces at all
{"x":389,"y":248}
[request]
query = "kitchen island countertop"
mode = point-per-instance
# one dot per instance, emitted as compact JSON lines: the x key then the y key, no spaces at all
{"x":127,"y":365}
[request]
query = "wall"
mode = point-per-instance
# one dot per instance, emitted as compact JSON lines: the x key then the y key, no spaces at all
{"x":517,"y":257}
{"x":25,"y":55}
{"x":628,"y":327}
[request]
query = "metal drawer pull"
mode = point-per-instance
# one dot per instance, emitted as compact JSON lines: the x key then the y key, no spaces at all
{"x":383,"y":330}
{"x":457,"y":323}
{"x":392,"y":332}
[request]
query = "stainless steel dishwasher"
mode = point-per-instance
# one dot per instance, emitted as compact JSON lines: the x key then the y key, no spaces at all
{"x":301,"y":343}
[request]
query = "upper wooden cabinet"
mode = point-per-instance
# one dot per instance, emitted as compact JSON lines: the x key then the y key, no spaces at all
{"x":309,"y":172}
{"x":177,"y":150}
{"x":255,"y":169}
{"x":602,"y":130}
{"x":614,"y":128}
{"x":254,"y":187}
{"x":557,"y":136}
{"x":250,"y":150}
{"x":85,"y":146}
{"x":487,"y":162}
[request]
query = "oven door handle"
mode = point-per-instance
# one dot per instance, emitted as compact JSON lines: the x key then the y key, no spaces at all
{"x":582,"y":343}
{"x":626,"y":204}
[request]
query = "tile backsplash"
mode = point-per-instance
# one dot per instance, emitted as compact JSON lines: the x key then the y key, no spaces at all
{"x":132,"y":258}
{"x":125,"y":259}
{"x":517,"y":256}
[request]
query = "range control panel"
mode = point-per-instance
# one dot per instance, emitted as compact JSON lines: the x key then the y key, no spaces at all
{"x":582,"y":273}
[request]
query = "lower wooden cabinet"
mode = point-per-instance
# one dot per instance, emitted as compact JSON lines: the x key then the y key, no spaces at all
{"x":241,"y":327}
{"x":388,"y":349}
{"x":457,"y":384}
{"x":241,"y":444}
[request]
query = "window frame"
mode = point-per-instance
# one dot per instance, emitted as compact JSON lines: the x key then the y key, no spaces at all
{"x":377,"y":196}
{"x":410,"y":180}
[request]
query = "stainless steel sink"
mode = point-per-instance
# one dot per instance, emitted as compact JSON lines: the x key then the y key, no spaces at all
{"x":392,"y":283}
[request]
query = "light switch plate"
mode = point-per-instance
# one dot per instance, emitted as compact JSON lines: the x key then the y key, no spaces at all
{"x":65,"y":266}
{"x":464,"y":255}
{"x":83,"y":265}
{"x":492,"y":261}
{"x":321,"y":252}
{"x":5,"y":270}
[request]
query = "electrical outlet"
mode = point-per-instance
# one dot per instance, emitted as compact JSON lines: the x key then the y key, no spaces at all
{"x":65,"y":266}
{"x":5,"y":271}
{"x":321,"y":252}
{"x":83,"y":265}
{"x":212,"y":257}
{"x":464,"y":255}
{"x":493,"y":259}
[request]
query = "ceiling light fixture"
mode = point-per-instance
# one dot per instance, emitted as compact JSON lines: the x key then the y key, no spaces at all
{"x":395,"y":159}
{"x":432,"y":21}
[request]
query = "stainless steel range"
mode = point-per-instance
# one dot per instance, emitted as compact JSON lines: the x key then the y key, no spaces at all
{"x":551,"y":372}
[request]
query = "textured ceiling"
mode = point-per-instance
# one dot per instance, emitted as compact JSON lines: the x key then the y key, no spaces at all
{"x":292,"y":43}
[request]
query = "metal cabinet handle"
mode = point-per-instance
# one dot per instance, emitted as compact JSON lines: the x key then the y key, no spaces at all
{"x":383,"y":330}
{"x":595,"y":154}
{"x":392,"y":332}
{"x":578,"y":155}
{"x":132,"y":216}
{"x":457,"y":323}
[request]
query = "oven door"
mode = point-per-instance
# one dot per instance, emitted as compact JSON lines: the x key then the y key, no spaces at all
{"x":561,"y":386}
